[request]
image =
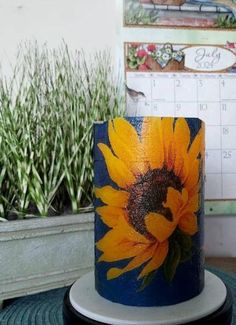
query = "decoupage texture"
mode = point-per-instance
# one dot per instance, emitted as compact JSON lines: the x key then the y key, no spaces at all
{"x":149,"y":209}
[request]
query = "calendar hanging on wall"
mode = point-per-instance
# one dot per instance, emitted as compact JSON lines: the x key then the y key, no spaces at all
{"x":179,"y":59}
{"x":182,"y":80}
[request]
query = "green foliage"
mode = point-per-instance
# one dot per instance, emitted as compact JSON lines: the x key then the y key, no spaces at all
{"x":135,"y":14}
{"x":133,"y":60}
{"x":147,"y":280}
{"x":226,"y":21}
{"x":47,"y":110}
{"x":180,"y":251}
{"x":172,"y":261}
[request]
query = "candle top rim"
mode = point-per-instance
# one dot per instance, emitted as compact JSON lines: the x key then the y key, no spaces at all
{"x":149,"y":117}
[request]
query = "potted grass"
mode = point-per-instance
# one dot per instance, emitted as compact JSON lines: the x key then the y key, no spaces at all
{"x":47,"y":111}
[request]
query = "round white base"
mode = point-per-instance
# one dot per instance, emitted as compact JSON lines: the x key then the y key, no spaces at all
{"x":85,"y":299}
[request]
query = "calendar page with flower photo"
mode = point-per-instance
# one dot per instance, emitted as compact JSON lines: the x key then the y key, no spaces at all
{"x":181,"y":80}
{"x":204,"y":14}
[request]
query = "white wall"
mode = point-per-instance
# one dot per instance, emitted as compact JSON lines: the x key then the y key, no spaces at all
{"x":220,"y":237}
{"x":89,"y":24}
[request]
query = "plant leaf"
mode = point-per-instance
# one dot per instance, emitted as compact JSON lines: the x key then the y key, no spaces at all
{"x":172,"y":261}
{"x":147,"y":280}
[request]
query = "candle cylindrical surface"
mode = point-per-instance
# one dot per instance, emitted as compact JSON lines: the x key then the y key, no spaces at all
{"x":149,"y":209}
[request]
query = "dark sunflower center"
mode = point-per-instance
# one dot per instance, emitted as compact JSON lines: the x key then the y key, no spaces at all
{"x":148,"y":194}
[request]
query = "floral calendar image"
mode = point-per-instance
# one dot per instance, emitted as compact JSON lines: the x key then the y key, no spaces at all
{"x":190,"y":81}
{"x":169,"y":57}
{"x":145,"y":57}
{"x":218,"y":14}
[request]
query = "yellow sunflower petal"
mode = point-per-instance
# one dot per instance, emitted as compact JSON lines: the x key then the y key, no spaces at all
{"x":185,"y":196}
{"x":129,"y":233}
{"x":121,"y":251}
{"x":192,"y":180}
{"x":188,"y":223}
{"x":179,"y":165}
{"x":181,"y":139}
{"x":126,"y":131}
{"x":182,"y":134}
{"x":196,"y":148}
{"x":117,"y":169}
{"x":192,"y":204}
{"x":131,"y":153}
{"x":133,"y":264}
{"x":197,"y":145}
{"x":173,"y":202}
{"x":122,"y":232}
{"x":159,"y":226}
{"x":157,"y":259}
{"x":183,"y":207}
{"x":153,"y":142}
{"x":168,"y":140}
{"x":112,"y":197}
{"x":111,"y":238}
{"x":110,"y":215}
{"x":185,"y":169}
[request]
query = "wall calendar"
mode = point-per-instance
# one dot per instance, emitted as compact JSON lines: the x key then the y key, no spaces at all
{"x":164,"y":79}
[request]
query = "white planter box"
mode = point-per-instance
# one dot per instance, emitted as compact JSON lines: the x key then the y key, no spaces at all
{"x":42,"y":254}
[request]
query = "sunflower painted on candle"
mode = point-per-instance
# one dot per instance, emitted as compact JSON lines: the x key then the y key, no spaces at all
{"x":151,"y":210}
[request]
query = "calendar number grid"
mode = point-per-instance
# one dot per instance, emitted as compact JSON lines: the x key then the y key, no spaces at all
{"x":210,"y":97}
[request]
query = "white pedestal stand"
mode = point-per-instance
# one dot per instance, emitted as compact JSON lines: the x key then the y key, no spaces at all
{"x":88,"y":303}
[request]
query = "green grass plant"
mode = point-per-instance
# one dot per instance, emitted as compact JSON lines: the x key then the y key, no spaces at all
{"x":47,"y":110}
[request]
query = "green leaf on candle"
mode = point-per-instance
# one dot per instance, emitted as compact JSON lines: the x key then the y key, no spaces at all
{"x":147,"y":280}
{"x":172,"y":261}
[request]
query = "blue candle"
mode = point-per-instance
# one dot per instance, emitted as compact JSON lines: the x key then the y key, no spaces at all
{"x":149,"y":209}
